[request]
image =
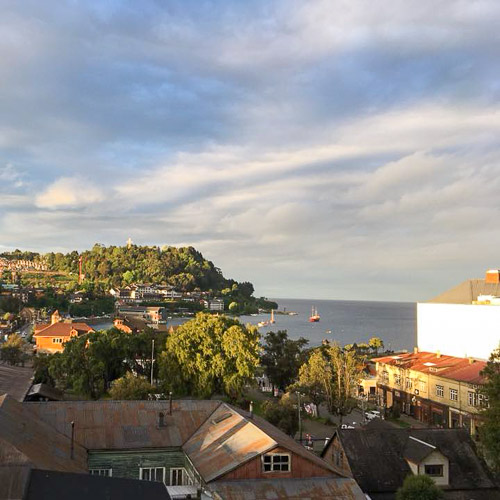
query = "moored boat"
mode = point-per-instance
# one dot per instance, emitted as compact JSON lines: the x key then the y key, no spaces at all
{"x":315,"y":317}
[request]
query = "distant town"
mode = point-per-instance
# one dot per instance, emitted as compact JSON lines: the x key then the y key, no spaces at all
{"x":212,"y":408}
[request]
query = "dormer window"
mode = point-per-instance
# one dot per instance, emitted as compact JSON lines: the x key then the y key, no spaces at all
{"x":434,"y":470}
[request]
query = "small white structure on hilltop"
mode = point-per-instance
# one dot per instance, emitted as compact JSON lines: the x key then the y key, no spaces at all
{"x":463,"y":321}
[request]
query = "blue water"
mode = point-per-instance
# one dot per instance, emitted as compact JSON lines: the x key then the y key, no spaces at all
{"x":348,"y":321}
{"x":344,"y":321}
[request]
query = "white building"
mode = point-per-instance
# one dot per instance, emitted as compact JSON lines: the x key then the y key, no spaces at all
{"x":464,"y":321}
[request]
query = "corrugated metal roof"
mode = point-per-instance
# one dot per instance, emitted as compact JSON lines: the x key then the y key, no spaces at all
{"x":25,"y":440}
{"x":230,"y":438}
{"x":451,"y":367}
{"x":125,"y":424}
{"x":291,"y":489}
{"x":15,"y":380}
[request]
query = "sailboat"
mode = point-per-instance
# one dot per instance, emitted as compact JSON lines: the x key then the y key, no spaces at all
{"x":272,"y":321}
{"x":315,"y":317}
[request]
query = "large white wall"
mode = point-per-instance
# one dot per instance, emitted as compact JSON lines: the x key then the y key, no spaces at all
{"x":458,"y":329}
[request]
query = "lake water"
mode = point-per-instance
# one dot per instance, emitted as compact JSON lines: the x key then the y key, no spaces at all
{"x":344,"y":321}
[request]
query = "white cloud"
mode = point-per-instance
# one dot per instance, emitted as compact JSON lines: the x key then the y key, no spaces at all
{"x":69,"y":192}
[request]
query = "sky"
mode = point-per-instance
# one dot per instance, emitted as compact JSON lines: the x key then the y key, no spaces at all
{"x":319,"y":149}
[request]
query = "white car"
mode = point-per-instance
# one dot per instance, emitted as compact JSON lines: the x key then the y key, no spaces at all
{"x":347,"y":426}
{"x":370,"y":415}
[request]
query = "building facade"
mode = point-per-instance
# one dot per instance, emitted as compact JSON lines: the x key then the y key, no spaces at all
{"x":436,"y":389}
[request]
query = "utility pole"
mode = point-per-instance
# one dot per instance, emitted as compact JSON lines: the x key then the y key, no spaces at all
{"x":152,"y":358}
{"x":300,"y":418}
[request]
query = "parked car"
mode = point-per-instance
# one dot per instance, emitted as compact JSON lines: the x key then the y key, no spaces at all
{"x":370,"y":415}
{"x":347,"y":426}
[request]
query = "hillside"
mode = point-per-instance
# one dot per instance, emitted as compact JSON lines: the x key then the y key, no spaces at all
{"x":185,"y":268}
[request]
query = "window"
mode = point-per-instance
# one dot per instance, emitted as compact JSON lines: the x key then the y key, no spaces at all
{"x":434,"y":470}
{"x":397,"y":379}
{"x":409,"y":383}
{"x":440,"y":391}
{"x":453,"y":394}
{"x":152,"y":474}
{"x":275,"y":462}
{"x":471,"y":398}
{"x":423,"y":385}
{"x":57,"y":341}
{"x":101,"y":472}
{"x":179,"y":477}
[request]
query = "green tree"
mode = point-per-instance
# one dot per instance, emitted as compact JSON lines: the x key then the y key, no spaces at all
{"x":419,"y":488}
{"x":283,"y":414}
{"x":282,"y":358}
{"x":316,"y":378}
{"x":41,"y":365}
{"x":131,"y":387}
{"x":376,"y":343}
{"x":490,"y":430}
{"x":12,"y":350}
{"x":209,"y":355}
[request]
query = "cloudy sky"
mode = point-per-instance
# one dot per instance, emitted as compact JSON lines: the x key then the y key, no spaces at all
{"x":320,"y":149}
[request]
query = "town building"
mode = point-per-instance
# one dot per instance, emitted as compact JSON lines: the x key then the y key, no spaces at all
{"x":51,"y":337}
{"x":434,"y":388}
{"x":462,"y":321}
{"x":380,"y":457}
{"x":148,"y":314}
{"x":214,"y":304}
{"x":196,"y":448}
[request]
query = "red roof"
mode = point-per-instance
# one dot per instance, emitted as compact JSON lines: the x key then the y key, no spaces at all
{"x":451,"y":367}
{"x":63,"y":330}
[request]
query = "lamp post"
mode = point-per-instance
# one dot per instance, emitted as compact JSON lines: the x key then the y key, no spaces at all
{"x":152,"y":359}
{"x":299,"y":407}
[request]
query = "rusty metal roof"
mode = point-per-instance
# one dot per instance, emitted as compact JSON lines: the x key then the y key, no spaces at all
{"x":27,"y":441}
{"x":292,"y":489}
{"x":230,"y":438}
{"x":115,"y":425}
{"x":15,"y":380}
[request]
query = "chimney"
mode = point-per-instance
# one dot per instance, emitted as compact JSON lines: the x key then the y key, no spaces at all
{"x":438,"y":354}
{"x":415,"y":350}
{"x":72,"y":440}
{"x":471,"y":361}
{"x":55,"y":318}
{"x":251,"y":409}
{"x":170,"y":403}
{"x":492,"y":276}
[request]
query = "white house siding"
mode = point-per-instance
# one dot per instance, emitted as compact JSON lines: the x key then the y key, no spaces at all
{"x":458,"y":329}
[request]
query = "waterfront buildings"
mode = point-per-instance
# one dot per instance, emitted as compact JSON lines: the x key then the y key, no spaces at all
{"x":436,"y":389}
{"x":463,"y":321}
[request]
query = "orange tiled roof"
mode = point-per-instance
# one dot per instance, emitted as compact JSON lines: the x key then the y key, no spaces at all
{"x":451,"y":367}
{"x":63,"y":330}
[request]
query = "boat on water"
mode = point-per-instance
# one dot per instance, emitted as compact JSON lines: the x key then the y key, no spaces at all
{"x":261,"y":324}
{"x":315,"y":317}
{"x":272,"y":321}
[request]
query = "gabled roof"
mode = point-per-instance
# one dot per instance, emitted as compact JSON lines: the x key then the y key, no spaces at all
{"x":325,"y":488}
{"x":63,"y":329}
{"x":27,"y":441}
{"x":416,"y":450}
{"x":451,"y":367}
{"x":466,"y":292}
{"x":125,"y":424}
{"x":231,"y":437}
{"x":377,"y":457}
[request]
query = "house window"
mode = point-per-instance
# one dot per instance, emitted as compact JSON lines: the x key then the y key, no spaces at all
{"x":152,"y":474}
{"x":409,"y":383}
{"x":276,"y":462}
{"x":101,"y":472}
{"x":423,"y":385}
{"x":454,"y":394}
{"x":57,"y":341}
{"x":434,"y":470}
{"x":397,"y":379}
{"x":440,"y":391}
{"x":471,"y":398}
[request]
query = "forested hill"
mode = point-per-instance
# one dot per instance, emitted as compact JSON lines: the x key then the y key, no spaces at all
{"x":185,"y":268}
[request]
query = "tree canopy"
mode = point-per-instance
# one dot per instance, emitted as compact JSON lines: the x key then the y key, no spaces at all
{"x":282,"y":357}
{"x":419,"y":488}
{"x":131,"y":387}
{"x":490,"y":430}
{"x":209,"y":355}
